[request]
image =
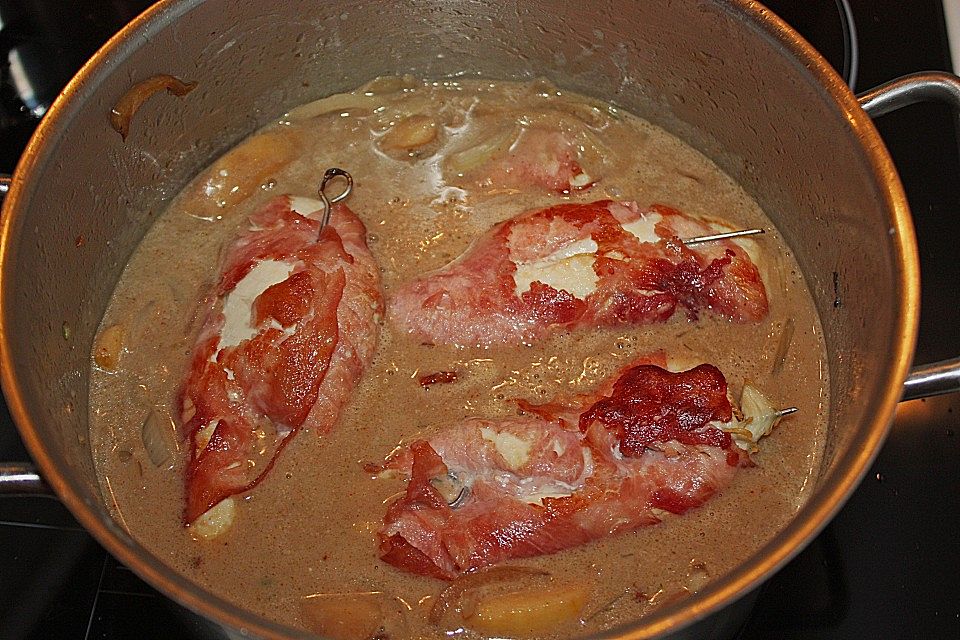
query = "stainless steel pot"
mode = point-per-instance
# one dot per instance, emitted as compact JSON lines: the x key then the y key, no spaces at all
{"x":728,"y":77}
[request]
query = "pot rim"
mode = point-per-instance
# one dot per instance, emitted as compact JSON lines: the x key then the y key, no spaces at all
{"x":814,"y":515}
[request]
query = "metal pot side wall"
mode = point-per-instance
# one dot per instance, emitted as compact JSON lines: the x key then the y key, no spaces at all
{"x":726,"y":76}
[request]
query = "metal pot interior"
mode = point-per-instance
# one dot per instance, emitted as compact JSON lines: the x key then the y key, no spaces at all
{"x":727,"y":77}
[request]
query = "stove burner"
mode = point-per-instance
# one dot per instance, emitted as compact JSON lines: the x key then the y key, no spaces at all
{"x":832,"y":31}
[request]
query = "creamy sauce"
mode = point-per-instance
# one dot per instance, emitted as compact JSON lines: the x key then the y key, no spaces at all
{"x":309,"y":527}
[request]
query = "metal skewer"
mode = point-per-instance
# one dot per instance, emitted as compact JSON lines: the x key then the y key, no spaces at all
{"x":785,"y":412}
{"x":461,"y":498}
{"x":452,"y":488}
{"x":721,"y":236}
{"x":328,"y":175}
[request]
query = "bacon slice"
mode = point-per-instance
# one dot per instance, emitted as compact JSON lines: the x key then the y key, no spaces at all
{"x":573,"y":265}
{"x":293,"y":325}
{"x":484,"y":491}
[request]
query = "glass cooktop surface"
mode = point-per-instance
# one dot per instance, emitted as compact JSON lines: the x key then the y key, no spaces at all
{"x":886,"y":567}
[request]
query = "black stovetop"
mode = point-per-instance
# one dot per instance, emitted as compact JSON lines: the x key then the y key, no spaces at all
{"x":887,"y":567}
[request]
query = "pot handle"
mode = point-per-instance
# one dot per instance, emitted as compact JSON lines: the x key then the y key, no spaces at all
{"x":21,"y":478}
{"x":944,"y":376}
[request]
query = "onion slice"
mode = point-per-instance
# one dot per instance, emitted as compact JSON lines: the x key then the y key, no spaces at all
{"x":338,"y":102}
{"x":464,"y":161}
{"x":130,"y":102}
{"x":157,"y":437}
{"x":758,"y":416}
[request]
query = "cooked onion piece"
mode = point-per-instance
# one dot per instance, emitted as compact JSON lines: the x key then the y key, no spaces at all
{"x":783,"y":346}
{"x":384,"y":85}
{"x":410,"y":133}
{"x":216,"y":521}
{"x":362,"y":101}
{"x":476,"y":155}
{"x":109,"y":346}
{"x":336,"y":103}
{"x":130,"y":102}
{"x":759,"y":413}
{"x":758,"y":418}
{"x":697,"y":576}
{"x":158,"y":438}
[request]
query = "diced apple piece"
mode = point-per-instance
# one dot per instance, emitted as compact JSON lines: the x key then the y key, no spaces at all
{"x":526,"y":613}
{"x":241,"y":171}
{"x":352,"y":616}
{"x":459,"y":594}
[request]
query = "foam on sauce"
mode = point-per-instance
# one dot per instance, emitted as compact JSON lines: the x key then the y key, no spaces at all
{"x":309,"y":527}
